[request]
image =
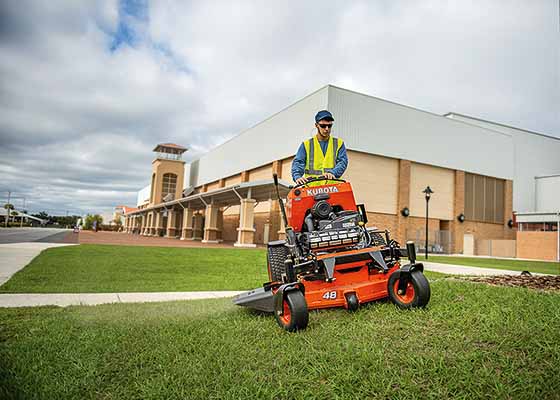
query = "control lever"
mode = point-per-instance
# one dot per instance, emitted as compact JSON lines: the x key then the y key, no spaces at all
{"x":411,"y":251}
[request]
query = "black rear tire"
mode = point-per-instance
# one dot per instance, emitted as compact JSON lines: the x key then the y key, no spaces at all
{"x":296,"y":315}
{"x":417,"y":293}
{"x":277,"y":256}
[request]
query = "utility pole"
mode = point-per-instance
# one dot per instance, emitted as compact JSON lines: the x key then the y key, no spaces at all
{"x":21,"y":216}
{"x":8,"y":210}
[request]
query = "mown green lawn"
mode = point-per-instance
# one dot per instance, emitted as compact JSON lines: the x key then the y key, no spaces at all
{"x":514,"y":265}
{"x":473,"y":341}
{"x":107,"y":269}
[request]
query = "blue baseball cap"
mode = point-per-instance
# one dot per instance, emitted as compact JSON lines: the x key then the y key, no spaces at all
{"x":323,"y":114}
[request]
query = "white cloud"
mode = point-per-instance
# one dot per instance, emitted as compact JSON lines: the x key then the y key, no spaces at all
{"x":78,"y":121}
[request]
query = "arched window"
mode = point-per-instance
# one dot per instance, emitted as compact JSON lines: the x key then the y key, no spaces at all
{"x":169,"y":184}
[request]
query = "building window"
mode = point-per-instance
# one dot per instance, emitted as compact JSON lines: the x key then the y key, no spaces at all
{"x":169,"y":185}
{"x":539,"y":226}
{"x":484,"y":198}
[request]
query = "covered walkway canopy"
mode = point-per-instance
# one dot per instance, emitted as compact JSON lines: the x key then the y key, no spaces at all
{"x":149,"y":220}
{"x":227,"y":196}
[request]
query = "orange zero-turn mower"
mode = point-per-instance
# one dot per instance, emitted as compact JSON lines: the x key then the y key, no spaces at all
{"x":331,"y":259}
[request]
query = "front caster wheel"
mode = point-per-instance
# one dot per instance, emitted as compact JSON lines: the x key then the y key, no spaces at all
{"x":416,"y":294}
{"x":295,"y":315}
{"x":352,"y":302}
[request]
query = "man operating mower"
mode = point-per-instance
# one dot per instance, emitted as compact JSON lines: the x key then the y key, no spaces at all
{"x":321,"y":155}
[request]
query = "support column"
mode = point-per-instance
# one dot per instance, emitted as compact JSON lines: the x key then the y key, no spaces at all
{"x":146,"y":224}
{"x":282,"y":230}
{"x":187,"y":231}
{"x":211,"y":224}
{"x":403,"y":201}
{"x":508,"y":209}
{"x":274,"y":220}
{"x":458,"y":228}
{"x":171,"y":216}
{"x":152,"y":223}
{"x":178,"y":223}
{"x":220,"y":224}
{"x":159,"y":224}
{"x":246,"y":232}
{"x":197,"y":227}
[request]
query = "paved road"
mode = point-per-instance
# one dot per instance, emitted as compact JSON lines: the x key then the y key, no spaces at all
{"x":24,"y":235}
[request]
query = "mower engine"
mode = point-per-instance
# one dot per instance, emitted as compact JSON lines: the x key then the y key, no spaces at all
{"x":330,"y":239}
{"x":332,"y":220}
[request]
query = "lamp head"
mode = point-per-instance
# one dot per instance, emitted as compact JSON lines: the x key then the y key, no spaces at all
{"x":427,"y":192}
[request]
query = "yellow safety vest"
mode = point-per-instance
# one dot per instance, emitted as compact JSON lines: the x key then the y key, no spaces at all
{"x":316,"y":163}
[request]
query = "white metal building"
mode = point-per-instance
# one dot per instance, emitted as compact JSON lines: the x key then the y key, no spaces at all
{"x":372,"y":125}
{"x":390,"y":146}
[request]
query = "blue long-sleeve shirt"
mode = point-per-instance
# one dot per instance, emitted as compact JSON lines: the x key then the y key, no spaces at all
{"x":298,"y":165}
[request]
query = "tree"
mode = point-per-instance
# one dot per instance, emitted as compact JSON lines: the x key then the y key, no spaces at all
{"x":88,"y":224}
{"x":42,"y":215}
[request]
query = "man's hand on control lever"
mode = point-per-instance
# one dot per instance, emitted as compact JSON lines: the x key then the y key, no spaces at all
{"x":326,"y":175}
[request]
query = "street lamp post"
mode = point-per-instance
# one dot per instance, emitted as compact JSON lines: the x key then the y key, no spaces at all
{"x":427,"y":194}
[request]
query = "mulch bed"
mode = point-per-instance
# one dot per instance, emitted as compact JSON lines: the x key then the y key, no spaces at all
{"x":527,"y":281}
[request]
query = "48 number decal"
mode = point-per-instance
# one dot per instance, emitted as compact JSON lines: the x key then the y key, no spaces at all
{"x":330,"y":295}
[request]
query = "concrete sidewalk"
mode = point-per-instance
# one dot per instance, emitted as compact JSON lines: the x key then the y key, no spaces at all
{"x":466,"y":270}
{"x":90,"y":299}
{"x":15,"y":256}
{"x":77,"y":299}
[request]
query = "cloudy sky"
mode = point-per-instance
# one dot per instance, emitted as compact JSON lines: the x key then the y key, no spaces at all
{"x":87,"y":88}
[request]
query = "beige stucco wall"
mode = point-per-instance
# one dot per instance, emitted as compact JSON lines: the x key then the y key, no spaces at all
{"x":213,"y":186}
{"x":441,"y":181}
{"x":287,"y":169}
{"x":374,"y":180}
{"x":232,"y":210}
{"x":495,"y":248}
{"x":232,"y":180}
{"x":261,"y":173}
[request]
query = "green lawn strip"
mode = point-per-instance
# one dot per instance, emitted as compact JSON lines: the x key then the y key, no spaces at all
{"x":473,"y":341}
{"x":106,"y":269}
{"x":514,"y":265}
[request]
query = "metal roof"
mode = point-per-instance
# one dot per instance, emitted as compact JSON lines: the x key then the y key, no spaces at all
{"x":537,"y":217}
{"x":451,"y":114}
{"x":170,"y":146}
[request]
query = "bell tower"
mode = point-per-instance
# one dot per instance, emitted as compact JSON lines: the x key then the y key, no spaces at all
{"x":168,"y":172}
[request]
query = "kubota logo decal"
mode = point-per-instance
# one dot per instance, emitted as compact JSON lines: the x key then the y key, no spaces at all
{"x":328,"y":189}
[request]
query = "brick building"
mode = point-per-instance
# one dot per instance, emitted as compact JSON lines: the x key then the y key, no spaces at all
{"x":477,"y":169}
